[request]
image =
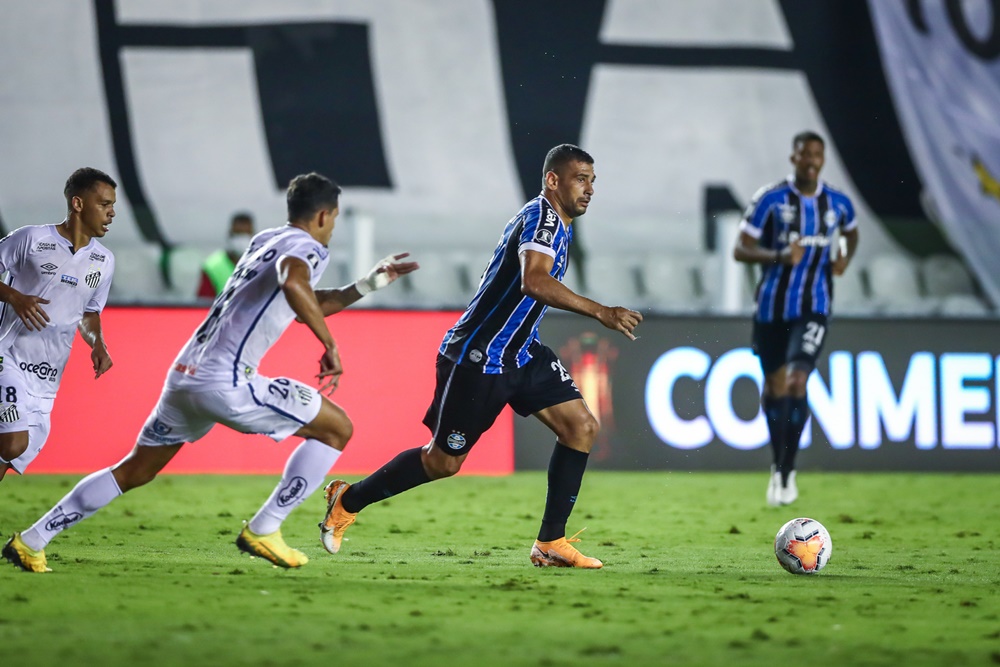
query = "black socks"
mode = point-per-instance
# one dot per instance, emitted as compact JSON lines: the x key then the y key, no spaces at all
{"x":566,"y":468}
{"x":400,"y":474}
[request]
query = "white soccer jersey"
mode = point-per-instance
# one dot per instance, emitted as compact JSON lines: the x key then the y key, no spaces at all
{"x":250,"y":314}
{"x":38,"y":261}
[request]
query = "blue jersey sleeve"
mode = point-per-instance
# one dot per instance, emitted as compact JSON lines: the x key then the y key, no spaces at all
{"x":756,"y":214}
{"x":847,"y":219}
{"x":541,"y":225}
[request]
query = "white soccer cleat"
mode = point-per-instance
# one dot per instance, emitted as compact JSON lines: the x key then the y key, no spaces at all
{"x":774,"y":488}
{"x":789,"y":492}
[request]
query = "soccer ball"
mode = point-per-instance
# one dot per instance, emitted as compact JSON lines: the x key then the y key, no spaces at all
{"x":803,"y":546}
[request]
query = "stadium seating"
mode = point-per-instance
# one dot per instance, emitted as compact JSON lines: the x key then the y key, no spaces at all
{"x":964,"y":305}
{"x":944,"y":275}
{"x":895,"y":286}
{"x":612,"y":280}
{"x":185,"y":269}
{"x":850,"y":293}
{"x":442,"y":280}
{"x":671,"y":282}
{"x":137,"y":274}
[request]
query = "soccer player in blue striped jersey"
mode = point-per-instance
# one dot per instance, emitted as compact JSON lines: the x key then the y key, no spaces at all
{"x":493,"y":358}
{"x":802,"y":232}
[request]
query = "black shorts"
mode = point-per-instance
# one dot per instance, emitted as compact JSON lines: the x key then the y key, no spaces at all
{"x":782,"y":342}
{"x":468,"y":401}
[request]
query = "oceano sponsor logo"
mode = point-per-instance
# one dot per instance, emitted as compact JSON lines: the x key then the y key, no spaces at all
{"x":63,"y":521}
{"x":44,"y":370}
{"x":291,"y":492}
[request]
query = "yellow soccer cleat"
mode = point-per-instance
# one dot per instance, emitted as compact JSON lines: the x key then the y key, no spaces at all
{"x":272,"y":547}
{"x":26,"y":558}
{"x":560,"y":553}
{"x":337,"y":520}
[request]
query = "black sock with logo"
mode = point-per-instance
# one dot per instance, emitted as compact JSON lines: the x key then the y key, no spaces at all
{"x":798,"y":414}
{"x":566,"y":468}
{"x":400,"y":474}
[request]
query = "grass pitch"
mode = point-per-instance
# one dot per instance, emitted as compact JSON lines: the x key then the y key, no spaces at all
{"x":440,"y":576}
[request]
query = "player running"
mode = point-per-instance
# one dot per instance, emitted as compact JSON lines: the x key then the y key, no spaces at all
{"x":493,"y":358}
{"x":793,"y":229}
{"x":214,"y":380}
{"x":57,"y":282}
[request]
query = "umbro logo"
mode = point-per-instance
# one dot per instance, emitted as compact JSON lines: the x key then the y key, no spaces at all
{"x":49,"y":268}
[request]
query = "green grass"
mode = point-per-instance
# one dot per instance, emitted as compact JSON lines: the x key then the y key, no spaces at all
{"x":440,"y":576}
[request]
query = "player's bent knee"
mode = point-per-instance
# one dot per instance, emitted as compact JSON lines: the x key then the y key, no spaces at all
{"x":581,"y":434}
{"x":13,"y":445}
{"x":438,"y":465}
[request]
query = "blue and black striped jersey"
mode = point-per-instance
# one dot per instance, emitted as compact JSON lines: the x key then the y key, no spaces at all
{"x":778,"y":215}
{"x":500,"y":326}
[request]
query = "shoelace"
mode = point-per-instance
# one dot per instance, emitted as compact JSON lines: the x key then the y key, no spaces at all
{"x":574,"y":538}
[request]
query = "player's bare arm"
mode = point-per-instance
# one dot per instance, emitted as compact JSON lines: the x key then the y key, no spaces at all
{"x":749,"y":251}
{"x":293,"y":278}
{"x":383,"y":274}
{"x":92,"y":334}
{"x":840,"y":265}
{"x":26,"y":306}
{"x":537,"y":283}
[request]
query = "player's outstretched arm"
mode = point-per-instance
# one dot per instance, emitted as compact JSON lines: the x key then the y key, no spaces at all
{"x":537,"y":283}
{"x":293,"y":278}
{"x":93,"y":334}
{"x":27,"y":307}
{"x":383,"y":274}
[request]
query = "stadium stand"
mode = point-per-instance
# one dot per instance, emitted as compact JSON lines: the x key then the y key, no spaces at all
{"x":851,"y":295}
{"x":442,"y":280}
{"x":671,"y":282}
{"x":137,"y":274}
{"x":944,"y":275}
{"x":895,"y":286}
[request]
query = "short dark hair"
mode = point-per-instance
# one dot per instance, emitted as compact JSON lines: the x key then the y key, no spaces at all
{"x":84,"y":179}
{"x":309,"y":194}
{"x":561,"y":155}
{"x":241,"y":216}
{"x":804,"y":136}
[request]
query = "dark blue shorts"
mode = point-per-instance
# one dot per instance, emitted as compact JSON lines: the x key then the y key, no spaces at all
{"x":468,"y":401}
{"x":786,"y":341}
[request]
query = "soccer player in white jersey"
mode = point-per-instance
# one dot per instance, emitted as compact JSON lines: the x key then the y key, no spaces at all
{"x":214,"y":380}
{"x":56,"y":281}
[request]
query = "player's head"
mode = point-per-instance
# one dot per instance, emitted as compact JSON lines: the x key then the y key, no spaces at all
{"x":240,"y":233}
{"x":808,"y":157}
{"x":313,"y":200}
{"x":568,"y":179}
{"x":241,"y":223}
{"x":90,"y":197}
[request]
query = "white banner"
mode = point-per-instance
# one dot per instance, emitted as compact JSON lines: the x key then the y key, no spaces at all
{"x":941,"y":61}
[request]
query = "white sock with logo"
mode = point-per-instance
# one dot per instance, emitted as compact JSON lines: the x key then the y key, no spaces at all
{"x":89,"y":495}
{"x":304,"y":473}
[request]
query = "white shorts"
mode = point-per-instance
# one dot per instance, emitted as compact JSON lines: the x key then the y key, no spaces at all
{"x":275,"y":407}
{"x":20,"y":411}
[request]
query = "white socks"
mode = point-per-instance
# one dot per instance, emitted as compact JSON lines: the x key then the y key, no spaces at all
{"x":304,"y":473}
{"x":89,"y":495}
